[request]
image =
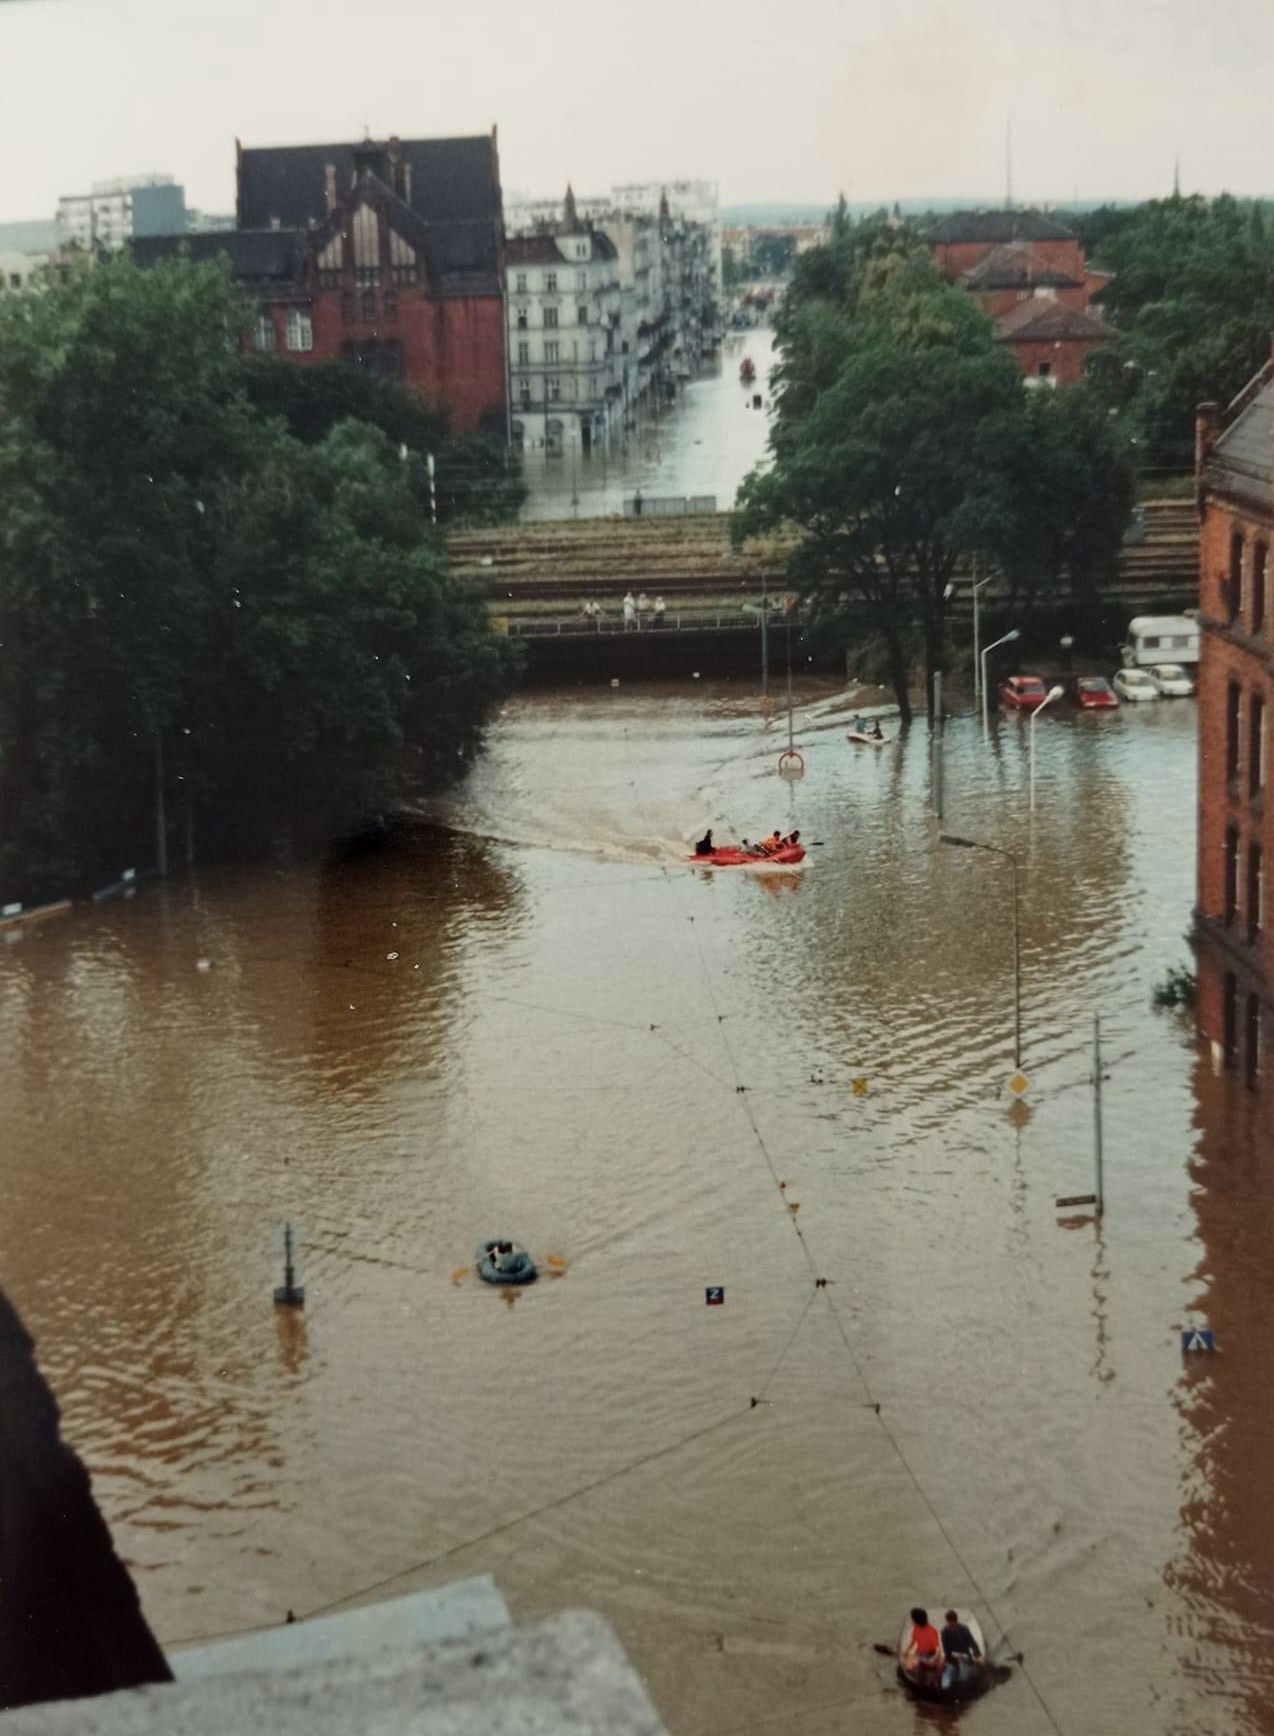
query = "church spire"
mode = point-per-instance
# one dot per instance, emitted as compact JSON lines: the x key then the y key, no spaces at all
{"x":1176,"y":177}
{"x":568,"y":210}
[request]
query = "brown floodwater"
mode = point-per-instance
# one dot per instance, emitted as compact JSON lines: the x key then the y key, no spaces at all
{"x":531,"y":1018}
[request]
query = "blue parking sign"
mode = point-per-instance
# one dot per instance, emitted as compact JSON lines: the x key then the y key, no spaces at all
{"x":1197,"y":1338}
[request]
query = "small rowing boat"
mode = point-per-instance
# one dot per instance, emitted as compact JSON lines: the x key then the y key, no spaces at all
{"x":729,"y":857}
{"x":861,"y":738}
{"x":946,"y":1684}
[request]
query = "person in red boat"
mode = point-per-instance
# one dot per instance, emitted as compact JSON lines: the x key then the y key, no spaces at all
{"x":773,"y":842}
{"x":705,"y":846}
{"x":924,"y":1648}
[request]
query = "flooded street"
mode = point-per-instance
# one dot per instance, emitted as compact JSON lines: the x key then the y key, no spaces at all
{"x":535,"y":1020}
{"x":704,"y":444}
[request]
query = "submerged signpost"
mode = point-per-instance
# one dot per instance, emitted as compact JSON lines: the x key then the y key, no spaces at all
{"x":1096,"y":1199}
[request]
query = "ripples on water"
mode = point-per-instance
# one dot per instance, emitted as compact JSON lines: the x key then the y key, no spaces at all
{"x":554,"y":1053}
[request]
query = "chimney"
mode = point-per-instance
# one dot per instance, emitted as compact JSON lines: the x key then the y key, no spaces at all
{"x":397,"y":166}
{"x":329,"y":191}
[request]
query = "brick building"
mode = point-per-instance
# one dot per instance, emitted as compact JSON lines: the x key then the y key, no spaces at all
{"x":1029,"y":274}
{"x":389,"y":256}
{"x":1235,"y":469}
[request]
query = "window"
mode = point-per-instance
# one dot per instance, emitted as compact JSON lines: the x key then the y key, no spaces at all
{"x":582,"y":311}
{"x":347,"y":307}
{"x":1231,"y":875}
{"x":263,"y":335}
{"x":1151,"y":642}
{"x":367,"y":304}
{"x":1044,"y":369}
{"x":1231,"y":1025}
{"x":1233,"y":714}
{"x":551,"y":352}
{"x":1234,"y":599}
{"x":550,"y":282}
{"x":1256,"y":746}
{"x":1252,"y":1047}
{"x":554,"y":388}
{"x":15,"y":280}
{"x":300,"y":330}
{"x":522,"y":319}
{"x":521,"y":283}
{"x":1255,"y":890}
{"x":1260,"y":555}
{"x":524,"y":354}
{"x":581,"y":250}
{"x":550,"y":318}
{"x":389,"y":305}
{"x":526,"y":394}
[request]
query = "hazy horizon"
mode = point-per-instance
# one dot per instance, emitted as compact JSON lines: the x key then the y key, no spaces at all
{"x":909,"y":105}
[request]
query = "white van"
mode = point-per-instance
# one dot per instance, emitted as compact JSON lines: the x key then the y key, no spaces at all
{"x":1161,"y":639}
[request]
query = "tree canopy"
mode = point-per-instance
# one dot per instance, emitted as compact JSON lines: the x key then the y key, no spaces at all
{"x":906,"y":446}
{"x":186,"y":585}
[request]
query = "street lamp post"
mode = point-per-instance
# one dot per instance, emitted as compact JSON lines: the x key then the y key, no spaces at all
{"x":1006,"y":640}
{"x":977,"y":636}
{"x":1053,"y":693}
{"x":1011,"y":859}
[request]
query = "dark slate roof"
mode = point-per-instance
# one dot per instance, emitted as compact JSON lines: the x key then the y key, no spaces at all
{"x":452,"y":180}
{"x":1042,"y":321}
{"x":533,"y":250}
{"x":264,"y":255}
{"x":1242,"y":460}
{"x":997,"y":226}
{"x":1016,"y":265}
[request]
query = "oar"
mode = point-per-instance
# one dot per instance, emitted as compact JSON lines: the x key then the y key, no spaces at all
{"x":556,"y":1262}
{"x":460,"y":1273}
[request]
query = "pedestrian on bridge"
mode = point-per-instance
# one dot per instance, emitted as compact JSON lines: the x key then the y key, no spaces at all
{"x":659,"y":611}
{"x":630,"y":610}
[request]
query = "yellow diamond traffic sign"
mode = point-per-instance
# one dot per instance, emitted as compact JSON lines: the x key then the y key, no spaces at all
{"x":860,"y":1087}
{"x":1019,"y":1084}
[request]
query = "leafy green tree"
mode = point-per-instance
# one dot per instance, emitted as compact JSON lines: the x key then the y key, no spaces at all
{"x":183,"y":582}
{"x":478,"y":479}
{"x":891,"y":458}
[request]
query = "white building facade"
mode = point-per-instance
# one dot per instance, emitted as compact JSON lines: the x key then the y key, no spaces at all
{"x":113,"y":212}
{"x":566,"y":374}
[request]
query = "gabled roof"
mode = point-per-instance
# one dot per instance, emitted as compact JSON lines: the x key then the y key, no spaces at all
{"x":262,"y":255}
{"x":451,"y":180}
{"x":997,"y":226}
{"x":1016,"y":265}
{"x":1040,"y":320}
{"x":1242,"y":459}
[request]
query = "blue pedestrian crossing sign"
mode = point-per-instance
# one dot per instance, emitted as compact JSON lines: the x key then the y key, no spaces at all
{"x":714,"y":1295}
{"x":1197,"y":1338}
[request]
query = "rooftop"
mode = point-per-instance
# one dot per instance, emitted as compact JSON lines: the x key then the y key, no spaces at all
{"x":997,"y":226}
{"x":1242,"y":461}
{"x":1041,"y":320}
{"x":1016,"y":265}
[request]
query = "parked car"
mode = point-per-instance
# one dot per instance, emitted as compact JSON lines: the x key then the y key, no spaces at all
{"x":1172,"y":680}
{"x":1094,"y":693}
{"x":1022,"y":692}
{"x":1136,"y":685}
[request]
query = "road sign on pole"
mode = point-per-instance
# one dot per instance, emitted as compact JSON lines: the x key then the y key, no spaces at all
{"x":1197,"y":1338}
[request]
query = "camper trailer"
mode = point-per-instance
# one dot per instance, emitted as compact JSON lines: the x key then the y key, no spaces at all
{"x":1161,"y":639}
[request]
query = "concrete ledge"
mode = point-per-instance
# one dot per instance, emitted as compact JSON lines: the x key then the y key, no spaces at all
{"x":567,"y":1676}
{"x":467,"y":1610}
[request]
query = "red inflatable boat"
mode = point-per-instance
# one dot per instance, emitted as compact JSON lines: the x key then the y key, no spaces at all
{"x":729,"y":857}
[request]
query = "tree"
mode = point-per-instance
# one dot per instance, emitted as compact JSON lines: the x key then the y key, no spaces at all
{"x":183,"y":580}
{"x":889,"y":453}
{"x":478,"y":479}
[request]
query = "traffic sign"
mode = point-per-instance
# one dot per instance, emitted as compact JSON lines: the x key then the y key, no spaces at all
{"x":859,"y":1087}
{"x":714,"y":1295}
{"x":1019,"y":1084}
{"x":1197,"y":1338}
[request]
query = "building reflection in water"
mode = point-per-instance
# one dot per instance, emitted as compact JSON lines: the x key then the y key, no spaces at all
{"x":1225,"y":1568}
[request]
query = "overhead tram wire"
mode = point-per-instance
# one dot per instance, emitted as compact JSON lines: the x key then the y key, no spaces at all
{"x":873,"y":1403}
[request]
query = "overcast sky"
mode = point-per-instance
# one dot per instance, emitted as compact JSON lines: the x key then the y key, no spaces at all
{"x":775,"y":99}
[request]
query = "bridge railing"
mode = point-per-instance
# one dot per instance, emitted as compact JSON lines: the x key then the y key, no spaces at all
{"x":578,"y":627}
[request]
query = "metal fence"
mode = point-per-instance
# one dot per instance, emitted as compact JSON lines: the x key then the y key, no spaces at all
{"x":668,"y":505}
{"x":576,"y":627}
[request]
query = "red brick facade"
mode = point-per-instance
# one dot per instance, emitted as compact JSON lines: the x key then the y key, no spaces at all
{"x":1235,"y":913}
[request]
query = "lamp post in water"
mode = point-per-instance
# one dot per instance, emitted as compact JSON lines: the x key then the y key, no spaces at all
{"x":1053,"y":693}
{"x":1011,"y":859}
{"x":1006,"y":640}
{"x":978,"y":585}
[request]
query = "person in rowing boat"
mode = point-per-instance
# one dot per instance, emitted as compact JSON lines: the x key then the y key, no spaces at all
{"x":772,"y":843}
{"x":792,"y":841}
{"x":705,"y":846}
{"x":959,"y":1649}
{"x":876,"y":733}
{"x":924,"y":1649}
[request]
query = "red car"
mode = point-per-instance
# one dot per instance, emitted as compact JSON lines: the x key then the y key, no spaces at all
{"x":1094,"y":693}
{"x":1023,"y":692}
